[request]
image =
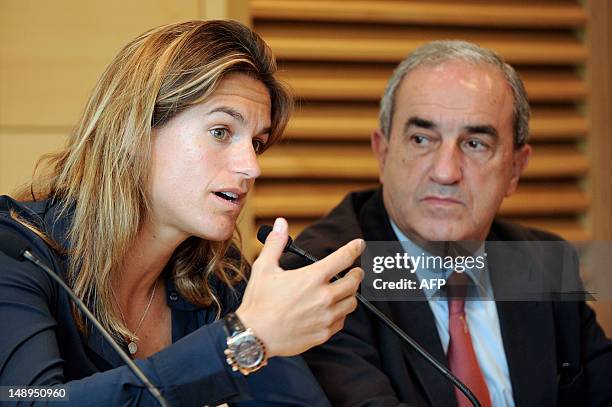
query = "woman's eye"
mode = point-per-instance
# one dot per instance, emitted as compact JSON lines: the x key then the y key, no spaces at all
{"x":259,"y":146}
{"x":219,"y":133}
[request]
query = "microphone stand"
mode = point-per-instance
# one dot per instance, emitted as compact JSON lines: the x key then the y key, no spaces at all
{"x":263,"y":233}
{"x":17,"y":248}
{"x":128,"y":361}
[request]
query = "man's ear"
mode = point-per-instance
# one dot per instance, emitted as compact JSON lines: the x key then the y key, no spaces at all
{"x":520,"y":159}
{"x":380,"y":147}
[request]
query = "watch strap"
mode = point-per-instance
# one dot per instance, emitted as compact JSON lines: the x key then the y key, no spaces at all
{"x":236,"y":332}
{"x":232,"y":325}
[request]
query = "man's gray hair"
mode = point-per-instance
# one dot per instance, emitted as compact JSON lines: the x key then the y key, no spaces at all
{"x":438,"y":52}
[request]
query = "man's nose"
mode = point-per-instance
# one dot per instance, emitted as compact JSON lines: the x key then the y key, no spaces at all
{"x":447,"y":167}
{"x":245,"y":160}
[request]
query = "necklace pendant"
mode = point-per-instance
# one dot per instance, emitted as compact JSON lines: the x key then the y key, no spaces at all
{"x":132,"y":347}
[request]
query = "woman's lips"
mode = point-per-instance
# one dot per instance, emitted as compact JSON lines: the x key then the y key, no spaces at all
{"x":231,"y":204}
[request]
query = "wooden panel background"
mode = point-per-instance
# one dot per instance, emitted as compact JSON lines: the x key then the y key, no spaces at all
{"x":600,"y":139}
{"x":51,"y":55}
{"x":337,"y":56}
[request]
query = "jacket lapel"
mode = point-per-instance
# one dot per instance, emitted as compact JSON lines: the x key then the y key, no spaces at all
{"x":102,"y":351}
{"x":413,"y":317}
{"x":417,"y":320}
{"x":94,"y":342}
{"x":527,"y":332}
{"x":526,"y":326}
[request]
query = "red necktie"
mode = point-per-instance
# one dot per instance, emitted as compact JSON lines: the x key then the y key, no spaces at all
{"x":461,"y":356}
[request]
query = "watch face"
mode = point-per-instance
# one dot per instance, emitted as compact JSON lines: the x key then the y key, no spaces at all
{"x":248,"y":352}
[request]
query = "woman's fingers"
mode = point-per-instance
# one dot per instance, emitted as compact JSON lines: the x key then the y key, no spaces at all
{"x":344,"y":301}
{"x":347,"y":285}
{"x":294,"y":310}
{"x":339,"y":260}
{"x":275,"y":244}
{"x":343,"y":308}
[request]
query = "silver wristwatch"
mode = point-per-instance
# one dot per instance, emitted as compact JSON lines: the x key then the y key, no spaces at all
{"x":245,"y":352}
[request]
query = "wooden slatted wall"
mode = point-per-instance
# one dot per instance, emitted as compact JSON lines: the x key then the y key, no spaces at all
{"x":337,"y":56}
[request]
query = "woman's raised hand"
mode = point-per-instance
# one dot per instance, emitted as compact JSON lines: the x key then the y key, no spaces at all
{"x":294,"y":310}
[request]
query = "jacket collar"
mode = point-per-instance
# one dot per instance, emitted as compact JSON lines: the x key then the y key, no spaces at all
{"x":45,"y":215}
{"x":183,"y":312}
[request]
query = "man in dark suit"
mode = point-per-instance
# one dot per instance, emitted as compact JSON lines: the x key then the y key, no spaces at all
{"x":451,"y":146}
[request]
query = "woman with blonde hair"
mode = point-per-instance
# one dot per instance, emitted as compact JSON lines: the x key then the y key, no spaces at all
{"x":137,"y":215}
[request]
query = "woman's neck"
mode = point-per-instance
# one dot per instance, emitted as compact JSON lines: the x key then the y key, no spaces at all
{"x":146,"y":259}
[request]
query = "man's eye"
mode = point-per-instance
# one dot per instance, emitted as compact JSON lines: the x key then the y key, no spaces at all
{"x":219,"y":133}
{"x":259,"y":146}
{"x":476,"y":145}
{"x":419,"y":139}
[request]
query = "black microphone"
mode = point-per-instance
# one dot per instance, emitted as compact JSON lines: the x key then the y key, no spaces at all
{"x":18,"y":248}
{"x":263,"y":233}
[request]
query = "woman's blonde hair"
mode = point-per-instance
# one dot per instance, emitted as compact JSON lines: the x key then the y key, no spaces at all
{"x":100,"y":178}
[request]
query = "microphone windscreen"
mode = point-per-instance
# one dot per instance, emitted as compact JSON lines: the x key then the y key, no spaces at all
{"x":263,"y":232}
{"x":12,"y":244}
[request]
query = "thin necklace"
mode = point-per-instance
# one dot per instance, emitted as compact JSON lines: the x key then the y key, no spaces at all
{"x":132,"y":346}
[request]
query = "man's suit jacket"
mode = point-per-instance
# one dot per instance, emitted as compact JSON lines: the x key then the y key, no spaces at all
{"x":556,"y":352}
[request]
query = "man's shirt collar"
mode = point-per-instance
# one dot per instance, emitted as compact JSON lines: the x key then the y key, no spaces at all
{"x":480,"y":278}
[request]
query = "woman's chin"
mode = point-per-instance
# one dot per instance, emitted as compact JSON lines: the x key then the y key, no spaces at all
{"x":217,"y":234}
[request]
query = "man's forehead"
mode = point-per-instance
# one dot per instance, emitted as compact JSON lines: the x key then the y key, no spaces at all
{"x":469,"y":77}
{"x":455,"y":88}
